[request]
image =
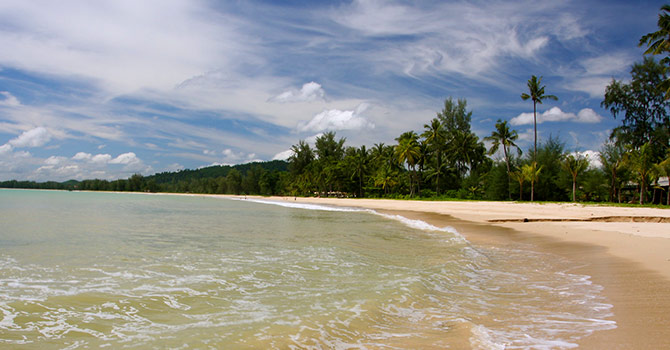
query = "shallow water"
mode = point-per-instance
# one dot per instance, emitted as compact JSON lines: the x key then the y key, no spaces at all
{"x":93,"y":270}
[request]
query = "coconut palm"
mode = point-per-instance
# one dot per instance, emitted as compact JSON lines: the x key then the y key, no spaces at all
{"x":436,"y":140}
{"x":505,"y":137}
{"x":659,"y":42}
{"x":359,"y":159}
{"x":642,"y":161}
{"x":536,"y":93}
{"x":531,"y":173}
{"x":408,"y":151}
{"x":575,"y":166}
{"x":612,"y":159}
{"x":519,"y":176}
{"x":664,"y":169}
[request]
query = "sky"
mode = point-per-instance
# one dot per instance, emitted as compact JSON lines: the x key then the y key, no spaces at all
{"x":106,"y":89}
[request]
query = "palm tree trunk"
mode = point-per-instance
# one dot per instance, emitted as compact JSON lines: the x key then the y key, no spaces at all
{"x":574,"y":188}
{"x":509,"y":190}
{"x":532,"y":190}
{"x":535,"y":131}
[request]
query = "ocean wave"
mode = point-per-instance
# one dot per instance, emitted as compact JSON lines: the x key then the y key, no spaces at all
{"x":412,"y":223}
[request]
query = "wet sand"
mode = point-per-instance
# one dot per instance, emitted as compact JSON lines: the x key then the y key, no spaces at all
{"x":629,"y":257}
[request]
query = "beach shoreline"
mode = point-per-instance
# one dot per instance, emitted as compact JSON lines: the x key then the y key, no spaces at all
{"x":629,"y":259}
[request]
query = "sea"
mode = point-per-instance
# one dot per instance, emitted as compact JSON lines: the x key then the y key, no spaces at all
{"x":90,"y":270}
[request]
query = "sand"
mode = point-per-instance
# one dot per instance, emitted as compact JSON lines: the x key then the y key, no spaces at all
{"x":630,"y":258}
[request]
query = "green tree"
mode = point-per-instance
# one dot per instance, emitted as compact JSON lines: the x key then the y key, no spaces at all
{"x":302,"y":157}
{"x":550,"y":155}
{"x":658,"y":43}
{"x":434,"y":135}
{"x":642,"y":163}
{"x":455,"y":116}
{"x":519,"y":176}
{"x":531,"y":172}
{"x":612,"y":159}
{"x":330,"y":153}
{"x":358,"y":160}
{"x":502,"y":135}
{"x":643,"y":106}
{"x":664,"y":170}
{"x":408,"y":151}
{"x":575,"y":166}
{"x":536,"y":93}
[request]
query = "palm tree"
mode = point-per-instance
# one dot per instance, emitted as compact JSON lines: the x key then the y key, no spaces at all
{"x":659,"y":42}
{"x":505,"y":137}
{"x":408,"y":151}
{"x":465,"y":150}
{"x":435,"y":138}
{"x":519,"y":176}
{"x":575,"y":166}
{"x":359,"y":166}
{"x":531,"y":173}
{"x":642,"y":161}
{"x":664,"y":169}
{"x":537,"y":95}
{"x":612,"y":159}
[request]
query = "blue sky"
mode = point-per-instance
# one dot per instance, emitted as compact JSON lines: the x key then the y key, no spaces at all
{"x":105,"y":89}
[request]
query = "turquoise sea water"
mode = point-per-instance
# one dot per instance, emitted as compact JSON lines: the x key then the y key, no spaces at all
{"x":95,"y":270}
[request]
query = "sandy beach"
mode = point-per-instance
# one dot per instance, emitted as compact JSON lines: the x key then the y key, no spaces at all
{"x":625,"y":250}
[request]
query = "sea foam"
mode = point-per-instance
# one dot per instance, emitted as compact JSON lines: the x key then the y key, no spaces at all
{"x":412,"y":223}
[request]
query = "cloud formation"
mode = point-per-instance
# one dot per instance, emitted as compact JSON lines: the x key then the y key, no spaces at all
{"x":555,"y":114}
{"x":36,"y":137}
{"x":309,"y":92}
{"x":335,"y":119}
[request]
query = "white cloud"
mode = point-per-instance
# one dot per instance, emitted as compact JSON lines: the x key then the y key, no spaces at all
{"x":283,"y":155}
{"x":6,"y":148}
{"x":36,"y":137}
{"x":125,"y":158}
{"x":82,"y":156}
{"x":9,"y":100}
{"x":127,"y":45}
{"x":587,"y":115}
{"x":555,"y":114}
{"x":309,"y":92}
{"x":335,"y":119}
{"x":101,"y":158}
{"x":527,"y":135}
{"x":592,"y":156}
{"x":55,"y":160}
{"x":461,"y":37}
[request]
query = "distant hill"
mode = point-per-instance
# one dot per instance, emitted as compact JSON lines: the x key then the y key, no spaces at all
{"x":166,"y":181}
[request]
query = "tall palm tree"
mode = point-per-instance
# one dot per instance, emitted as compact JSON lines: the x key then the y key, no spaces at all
{"x":437,"y":141}
{"x":359,"y":166}
{"x":502,"y":135}
{"x":575,"y":166}
{"x":536,"y":91}
{"x":408,"y":151}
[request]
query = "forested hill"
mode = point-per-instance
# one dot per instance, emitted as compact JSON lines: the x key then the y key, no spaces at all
{"x":216,"y":171}
{"x":250,"y":178}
